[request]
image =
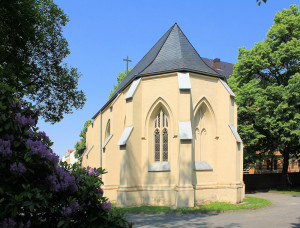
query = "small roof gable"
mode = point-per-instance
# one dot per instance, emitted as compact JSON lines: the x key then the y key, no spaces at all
{"x":172,"y":53}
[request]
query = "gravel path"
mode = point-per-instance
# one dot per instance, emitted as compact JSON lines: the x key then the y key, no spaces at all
{"x":283,"y":212}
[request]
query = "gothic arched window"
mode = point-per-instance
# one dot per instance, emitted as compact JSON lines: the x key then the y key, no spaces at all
{"x":107,"y":130}
{"x":161,"y":143}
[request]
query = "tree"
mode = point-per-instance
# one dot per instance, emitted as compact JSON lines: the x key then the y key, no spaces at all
{"x":81,"y":147}
{"x":119,"y":79}
{"x":32,"y":50}
{"x":267,"y":86}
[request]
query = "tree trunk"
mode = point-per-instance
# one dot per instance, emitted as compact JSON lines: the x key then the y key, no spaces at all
{"x":284,"y":177}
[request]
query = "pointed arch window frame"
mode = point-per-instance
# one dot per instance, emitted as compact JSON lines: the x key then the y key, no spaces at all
{"x":161,"y":138}
{"x":204,"y":165}
{"x":161,"y":142}
{"x":107,"y":135}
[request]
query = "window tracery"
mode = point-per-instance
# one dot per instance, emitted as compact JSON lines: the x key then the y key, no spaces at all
{"x":161,"y":144}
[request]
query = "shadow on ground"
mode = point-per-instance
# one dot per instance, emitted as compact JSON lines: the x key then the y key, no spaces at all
{"x":296,"y":225}
{"x":169,"y":220}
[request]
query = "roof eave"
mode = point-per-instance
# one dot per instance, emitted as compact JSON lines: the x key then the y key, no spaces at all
{"x":182,"y":70}
{"x":156,"y":73}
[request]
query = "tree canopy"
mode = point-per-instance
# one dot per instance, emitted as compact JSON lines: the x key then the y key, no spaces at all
{"x":81,"y":147}
{"x":266,"y":81}
{"x":32,"y":50}
{"x":120,"y":78}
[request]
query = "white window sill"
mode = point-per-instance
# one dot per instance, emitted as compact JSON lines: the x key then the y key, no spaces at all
{"x":107,"y":140}
{"x":202,"y":166}
{"x":160,"y":167}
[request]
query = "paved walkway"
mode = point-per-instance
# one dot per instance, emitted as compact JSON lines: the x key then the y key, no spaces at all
{"x":283,"y":212}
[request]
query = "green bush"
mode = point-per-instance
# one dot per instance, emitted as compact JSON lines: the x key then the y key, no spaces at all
{"x":37,"y":191}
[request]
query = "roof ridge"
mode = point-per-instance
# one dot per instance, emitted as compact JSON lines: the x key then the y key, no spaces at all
{"x":195,"y":50}
{"x":220,"y":60}
{"x":170,"y":30}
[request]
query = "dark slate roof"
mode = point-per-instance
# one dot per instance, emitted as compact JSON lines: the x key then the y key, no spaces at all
{"x":172,"y":53}
{"x":226,"y":68}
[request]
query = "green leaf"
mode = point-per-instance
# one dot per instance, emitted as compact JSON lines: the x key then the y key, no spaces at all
{"x":17,"y":143}
{"x":31,"y":207}
{"x":61,"y":223}
{"x":7,"y":125}
{"x":26,"y":203}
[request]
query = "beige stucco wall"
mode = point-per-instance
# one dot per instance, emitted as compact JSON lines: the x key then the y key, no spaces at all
{"x":208,"y":106}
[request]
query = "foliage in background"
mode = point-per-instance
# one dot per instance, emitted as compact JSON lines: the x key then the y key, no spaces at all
{"x":81,"y":147}
{"x":259,"y":1}
{"x":34,"y":190}
{"x":32,"y":50}
{"x":266,"y":81}
{"x":119,"y":79}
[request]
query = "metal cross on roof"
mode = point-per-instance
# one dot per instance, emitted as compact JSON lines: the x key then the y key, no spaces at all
{"x":127,"y":60}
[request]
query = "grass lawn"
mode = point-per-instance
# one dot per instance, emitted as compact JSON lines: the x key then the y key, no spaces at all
{"x":293,"y":191}
{"x":213,"y":207}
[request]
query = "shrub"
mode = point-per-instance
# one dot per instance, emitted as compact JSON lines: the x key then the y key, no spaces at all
{"x":37,"y":191}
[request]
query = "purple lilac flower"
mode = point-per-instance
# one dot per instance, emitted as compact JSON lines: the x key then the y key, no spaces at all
{"x":23,"y":121}
{"x":27,"y":225}
{"x":16,"y":105}
{"x":8,"y":223}
{"x":17,"y":169}
{"x":38,"y":148}
{"x":30,"y":133}
{"x":5,"y":150}
{"x":53,"y":183}
{"x":31,"y":122}
{"x":66,"y":211}
{"x":44,"y":137}
{"x":54,"y":159}
{"x":100,"y":190}
{"x":106,"y":205}
{"x":62,"y":181}
{"x":73,"y":207}
{"x":67,"y":181}
{"x":92,"y":172}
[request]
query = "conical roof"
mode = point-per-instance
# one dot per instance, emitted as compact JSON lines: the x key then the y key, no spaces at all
{"x":172,"y":53}
{"x":177,"y":53}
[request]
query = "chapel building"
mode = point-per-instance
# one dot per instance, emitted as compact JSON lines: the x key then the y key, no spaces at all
{"x":168,"y":135}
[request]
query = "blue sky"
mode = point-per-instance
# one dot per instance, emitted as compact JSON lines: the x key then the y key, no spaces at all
{"x":102,"y":33}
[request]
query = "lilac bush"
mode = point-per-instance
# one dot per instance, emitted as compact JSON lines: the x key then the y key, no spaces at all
{"x":35,"y":189}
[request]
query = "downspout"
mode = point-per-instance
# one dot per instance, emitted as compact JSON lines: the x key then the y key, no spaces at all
{"x":101,"y":140}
